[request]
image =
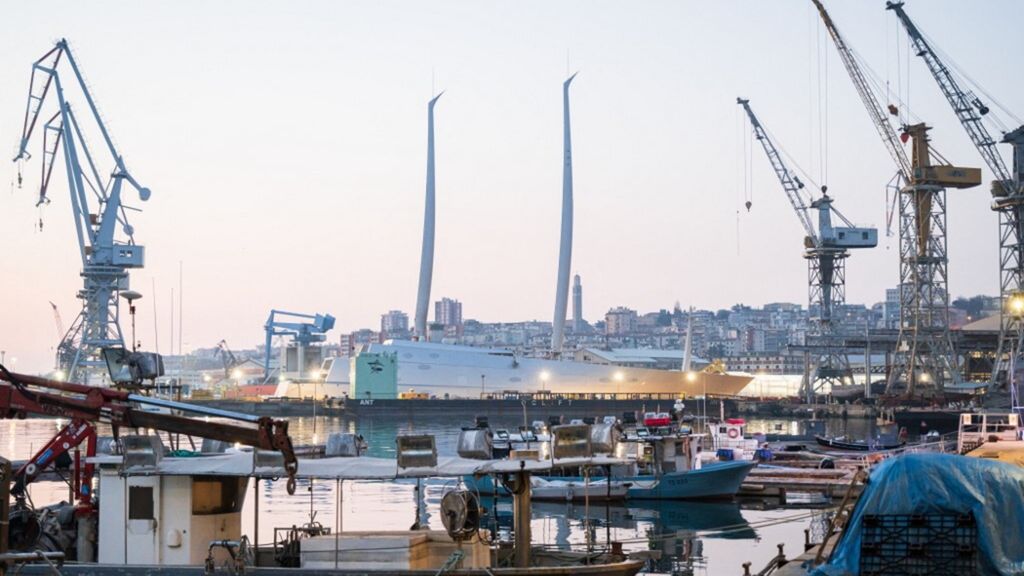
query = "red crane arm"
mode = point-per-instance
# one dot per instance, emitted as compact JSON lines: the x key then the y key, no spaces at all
{"x":21,"y":395}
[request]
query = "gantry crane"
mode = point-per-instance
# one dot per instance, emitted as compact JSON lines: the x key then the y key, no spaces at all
{"x":1007,"y":191}
{"x":924,"y":351}
{"x":95,"y":185}
{"x":303,"y":333}
{"x":826,"y":250}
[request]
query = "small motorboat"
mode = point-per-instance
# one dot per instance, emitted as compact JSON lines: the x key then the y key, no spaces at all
{"x":843,"y":444}
{"x":577,"y":490}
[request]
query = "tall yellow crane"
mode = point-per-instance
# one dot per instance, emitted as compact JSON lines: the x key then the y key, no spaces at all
{"x":1007,"y":193}
{"x":925,"y":356}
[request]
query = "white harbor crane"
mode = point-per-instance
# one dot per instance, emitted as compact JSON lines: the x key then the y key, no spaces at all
{"x":925,"y":357}
{"x":95,"y":182}
{"x":1007,"y":192}
{"x":826,"y":249}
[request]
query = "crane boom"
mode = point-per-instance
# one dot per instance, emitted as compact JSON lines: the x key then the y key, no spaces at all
{"x":22,"y":394}
{"x":791,"y":184}
{"x":969,"y":109}
{"x":1008,"y":192}
{"x":867,"y":97}
{"x":97,"y":179}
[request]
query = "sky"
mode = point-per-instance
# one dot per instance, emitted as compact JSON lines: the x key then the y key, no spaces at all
{"x":285,"y":146}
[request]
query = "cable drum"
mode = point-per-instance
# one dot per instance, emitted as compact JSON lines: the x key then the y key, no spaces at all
{"x":460,"y":513}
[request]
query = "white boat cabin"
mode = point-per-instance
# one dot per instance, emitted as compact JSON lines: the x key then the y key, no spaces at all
{"x":166,"y":520}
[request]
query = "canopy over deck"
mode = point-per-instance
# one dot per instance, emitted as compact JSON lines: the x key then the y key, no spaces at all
{"x":247,"y":463}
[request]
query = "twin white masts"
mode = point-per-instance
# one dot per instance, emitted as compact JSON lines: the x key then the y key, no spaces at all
{"x":565,"y":244}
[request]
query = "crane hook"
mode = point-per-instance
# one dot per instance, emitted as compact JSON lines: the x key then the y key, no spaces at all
{"x":748,"y":204}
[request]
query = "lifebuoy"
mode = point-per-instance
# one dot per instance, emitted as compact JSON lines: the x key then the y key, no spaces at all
{"x":733,"y":433}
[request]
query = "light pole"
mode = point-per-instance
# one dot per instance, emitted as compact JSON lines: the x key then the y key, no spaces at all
{"x":482,"y":376}
{"x":1016,"y":308}
{"x":131,"y":296}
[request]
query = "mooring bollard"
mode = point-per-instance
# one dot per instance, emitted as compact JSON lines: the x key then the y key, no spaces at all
{"x":782,"y":555}
{"x":807,"y":539}
{"x":746,"y":569}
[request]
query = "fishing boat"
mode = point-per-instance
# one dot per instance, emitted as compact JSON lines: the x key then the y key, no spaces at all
{"x":657,"y":464}
{"x":568,"y":490}
{"x":182,"y":515}
{"x":841,"y":443}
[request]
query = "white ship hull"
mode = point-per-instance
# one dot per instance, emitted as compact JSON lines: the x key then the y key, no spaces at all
{"x":441,"y":370}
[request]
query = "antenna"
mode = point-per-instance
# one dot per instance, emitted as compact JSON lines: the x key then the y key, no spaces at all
{"x":156,"y":330}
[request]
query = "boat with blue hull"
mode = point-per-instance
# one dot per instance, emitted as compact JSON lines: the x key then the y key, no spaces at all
{"x":716,"y":480}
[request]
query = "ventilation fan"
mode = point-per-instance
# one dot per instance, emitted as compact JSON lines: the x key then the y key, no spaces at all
{"x":460,"y":513}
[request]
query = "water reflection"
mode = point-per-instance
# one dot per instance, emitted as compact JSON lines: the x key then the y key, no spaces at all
{"x":684,"y":538}
{"x":672,"y":534}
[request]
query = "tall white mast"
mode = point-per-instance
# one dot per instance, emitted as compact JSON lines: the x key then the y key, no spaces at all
{"x":565,"y":247}
{"x":427,"y":255}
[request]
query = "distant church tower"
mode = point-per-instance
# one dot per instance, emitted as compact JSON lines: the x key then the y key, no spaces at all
{"x":577,"y":305}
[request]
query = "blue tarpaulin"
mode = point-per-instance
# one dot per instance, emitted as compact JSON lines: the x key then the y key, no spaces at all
{"x":943,"y":483}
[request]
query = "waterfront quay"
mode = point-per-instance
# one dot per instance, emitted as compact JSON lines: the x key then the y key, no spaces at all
{"x":545,"y":405}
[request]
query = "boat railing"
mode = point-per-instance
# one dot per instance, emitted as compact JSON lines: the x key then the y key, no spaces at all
{"x":976,"y":429}
{"x":946,"y":443}
{"x":55,"y":560}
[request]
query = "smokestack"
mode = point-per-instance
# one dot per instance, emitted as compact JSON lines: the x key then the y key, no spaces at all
{"x":688,"y":343}
{"x":577,"y":305}
{"x":565,"y":247}
{"x":427,"y":255}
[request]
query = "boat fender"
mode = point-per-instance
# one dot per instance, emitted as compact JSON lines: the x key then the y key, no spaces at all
{"x":827,"y":464}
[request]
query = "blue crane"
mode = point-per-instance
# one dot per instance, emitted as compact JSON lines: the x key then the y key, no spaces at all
{"x":95,"y":183}
{"x":303,"y":333}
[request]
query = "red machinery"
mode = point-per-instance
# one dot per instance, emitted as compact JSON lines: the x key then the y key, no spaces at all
{"x":21,"y":395}
{"x":70,"y":436}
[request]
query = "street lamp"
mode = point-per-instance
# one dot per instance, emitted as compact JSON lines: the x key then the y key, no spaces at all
{"x":619,"y":377}
{"x":1015,"y":304}
{"x":131,"y":296}
{"x":544,"y":375}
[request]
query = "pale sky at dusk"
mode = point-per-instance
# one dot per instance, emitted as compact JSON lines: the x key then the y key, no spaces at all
{"x":285,"y":146}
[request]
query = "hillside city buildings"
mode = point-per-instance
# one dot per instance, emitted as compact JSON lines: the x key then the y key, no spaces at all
{"x":750,"y":339}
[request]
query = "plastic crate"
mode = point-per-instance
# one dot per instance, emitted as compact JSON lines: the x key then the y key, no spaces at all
{"x":918,"y":544}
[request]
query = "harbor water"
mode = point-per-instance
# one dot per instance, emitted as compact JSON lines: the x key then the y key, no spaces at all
{"x":691,"y":537}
